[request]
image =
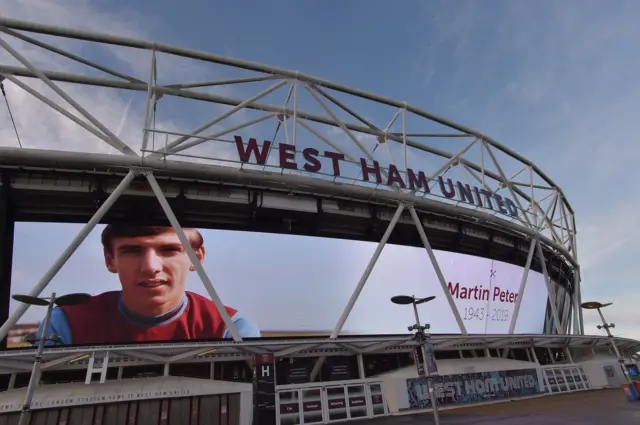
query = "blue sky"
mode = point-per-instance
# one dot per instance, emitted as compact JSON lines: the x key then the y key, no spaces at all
{"x":554,"y":81}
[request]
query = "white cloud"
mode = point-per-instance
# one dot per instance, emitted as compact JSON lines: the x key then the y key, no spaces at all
{"x":120,"y":111}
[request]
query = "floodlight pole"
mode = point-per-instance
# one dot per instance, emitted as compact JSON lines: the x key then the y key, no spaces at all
{"x":421,"y":338}
{"x":598,"y":306}
{"x":606,"y":327}
{"x":67,"y":253}
{"x":35,"y":371}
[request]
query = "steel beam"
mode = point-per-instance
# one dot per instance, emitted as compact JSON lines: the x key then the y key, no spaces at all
{"x":7,"y":227}
{"x":173,"y":145}
{"x":367,"y":272}
{"x":523,"y":284}
{"x":146,"y":356}
{"x":68,"y":55}
{"x":436,"y":267}
{"x":82,"y":161}
{"x":57,"y":108}
{"x":114,"y":140}
{"x":102,"y":82}
{"x":257,"y":67}
{"x":550,"y":291}
{"x":67,"y":253}
{"x":155,"y":187}
{"x":190,"y":353}
{"x":61,"y":360}
{"x":295,"y":349}
{"x":360,"y":285}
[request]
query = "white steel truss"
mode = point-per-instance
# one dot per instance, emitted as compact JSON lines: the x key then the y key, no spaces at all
{"x":79,"y":357}
{"x":543,"y":214}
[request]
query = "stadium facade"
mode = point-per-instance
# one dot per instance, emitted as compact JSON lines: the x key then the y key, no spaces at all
{"x":338,"y":187}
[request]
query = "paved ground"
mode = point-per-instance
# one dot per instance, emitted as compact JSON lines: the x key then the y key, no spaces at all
{"x":599,"y":407}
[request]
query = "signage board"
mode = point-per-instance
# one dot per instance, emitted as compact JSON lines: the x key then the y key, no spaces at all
{"x":467,"y":388}
{"x":264,"y":389}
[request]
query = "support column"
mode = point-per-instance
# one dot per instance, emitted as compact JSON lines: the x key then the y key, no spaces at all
{"x":12,"y":381}
{"x":576,"y":307}
{"x":7,"y":226}
{"x":550,"y":291}
{"x":567,"y":352}
{"x":360,"y":285}
{"x":98,"y":363}
{"x":567,"y":306}
{"x":67,"y":253}
{"x":264,"y":389}
{"x":367,"y":271}
{"x":523,"y":284}
{"x":192,"y":256}
{"x":577,"y":294}
{"x":436,"y":267}
{"x":361,"y":371}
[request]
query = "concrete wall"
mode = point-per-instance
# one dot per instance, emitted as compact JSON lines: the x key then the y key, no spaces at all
{"x":594,"y":367}
{"x":127,"y":391}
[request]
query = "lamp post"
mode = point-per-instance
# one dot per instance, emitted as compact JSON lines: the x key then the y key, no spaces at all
{"x":70,"y":299}
{"x":595,"y":305}
{"x":421,"y":337}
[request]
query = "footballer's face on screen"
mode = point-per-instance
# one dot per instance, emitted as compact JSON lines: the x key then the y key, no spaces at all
{"x":152,"y":269}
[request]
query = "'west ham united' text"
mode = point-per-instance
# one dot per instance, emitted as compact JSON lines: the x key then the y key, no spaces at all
{"x":416,"y":181}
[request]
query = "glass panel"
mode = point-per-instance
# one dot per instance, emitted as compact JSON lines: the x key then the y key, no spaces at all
{"x":336,"y":403}
{"x":289,"y":407}
{"x":311,"y":406}
{"x":570,"y":382}
{"x":585,"y":379}
{"x":377,"y":401}
{"x":551,"y":380}
{"x":357,"y":401}
{"x":562,"y":384}
{"x":577,"y":377}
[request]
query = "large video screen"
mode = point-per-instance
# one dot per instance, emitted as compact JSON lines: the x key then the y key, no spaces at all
{"x":145,"y":288}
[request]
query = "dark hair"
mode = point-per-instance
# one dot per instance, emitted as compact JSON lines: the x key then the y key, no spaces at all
{"x":112,"y":231}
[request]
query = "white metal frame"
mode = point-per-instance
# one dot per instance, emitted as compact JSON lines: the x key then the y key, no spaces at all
{"x":79,"y":357}
{"x":544,"y":215}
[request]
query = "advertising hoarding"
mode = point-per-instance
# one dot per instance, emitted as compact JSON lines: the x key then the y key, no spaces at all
{"x":467,"y":388}
{"x":272,"y":284}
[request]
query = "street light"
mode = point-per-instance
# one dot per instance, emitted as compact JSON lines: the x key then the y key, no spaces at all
{"x":421,"y":338}
{"x":69,"y":299}
{"x":595,"y":305}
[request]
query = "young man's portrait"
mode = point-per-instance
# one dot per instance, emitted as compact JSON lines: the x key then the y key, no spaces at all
{"x":153,"y":304}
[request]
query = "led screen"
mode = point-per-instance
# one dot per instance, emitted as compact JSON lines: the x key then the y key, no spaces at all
{"x":146,"y":288}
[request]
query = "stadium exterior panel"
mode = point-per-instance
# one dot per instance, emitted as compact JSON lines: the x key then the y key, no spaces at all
{"x":493,"y":237}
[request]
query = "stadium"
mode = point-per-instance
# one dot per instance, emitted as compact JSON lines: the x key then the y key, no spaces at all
{"x":461,"y":217}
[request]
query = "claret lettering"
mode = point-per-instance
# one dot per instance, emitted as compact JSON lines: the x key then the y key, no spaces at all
{"x":504,"y":296}
{"x":372,"y":171}
{"x":477,"y":292}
